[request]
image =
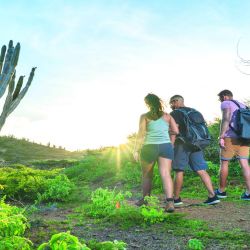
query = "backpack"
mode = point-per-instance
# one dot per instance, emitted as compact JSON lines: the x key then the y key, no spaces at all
{"x":242,"y":122}
{"x":196,"y":133}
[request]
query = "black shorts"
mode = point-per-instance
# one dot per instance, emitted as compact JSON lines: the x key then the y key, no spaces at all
{"x":151,"y":152}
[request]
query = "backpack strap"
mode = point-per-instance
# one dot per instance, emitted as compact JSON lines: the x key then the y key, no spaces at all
{"x":186,"y":112}
{"x":236,"y":103}
{"x":230,"y":126}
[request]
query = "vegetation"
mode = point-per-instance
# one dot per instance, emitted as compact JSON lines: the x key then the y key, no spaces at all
{"x":63,"y":202}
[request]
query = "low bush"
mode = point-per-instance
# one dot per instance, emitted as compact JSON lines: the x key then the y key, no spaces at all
{"x":63,"y":241}
{"x":24,"y":183}
{"x":12,"y":227}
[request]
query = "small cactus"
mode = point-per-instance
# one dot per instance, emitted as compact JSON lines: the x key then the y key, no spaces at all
{"x":8,"y":63}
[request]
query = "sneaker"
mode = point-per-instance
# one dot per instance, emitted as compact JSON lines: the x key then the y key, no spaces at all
{"x":141,"y":202}
{"x":169,"y":208}
{"x":219,"y":194}
{"x":212,"y":200}
{"x":178,"y":202}
{"x":245,"y":197}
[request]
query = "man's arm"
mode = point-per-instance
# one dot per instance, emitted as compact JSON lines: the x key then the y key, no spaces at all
{"x":226,"y":114}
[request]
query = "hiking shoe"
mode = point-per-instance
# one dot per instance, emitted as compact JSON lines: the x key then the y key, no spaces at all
{"x":141,"y":202}
{"x":178,"y":202}
{"x":169,"y":208}
{"x":212,"y":200}
{"x":219,"y":194}
{"x":245,"y":197}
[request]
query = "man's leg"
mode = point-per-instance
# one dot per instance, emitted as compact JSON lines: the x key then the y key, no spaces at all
{"x":178,"y":182}
{"x":199,"y":165}
{"x":246,"y":172}
{"x":207,"y":182}
{"x":223,"y":175}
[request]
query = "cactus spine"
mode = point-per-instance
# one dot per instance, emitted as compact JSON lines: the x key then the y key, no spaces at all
{"x":8,"y":63}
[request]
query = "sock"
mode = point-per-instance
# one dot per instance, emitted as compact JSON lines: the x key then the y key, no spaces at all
{"x":246,"y":193}
{"x":169,"y":199}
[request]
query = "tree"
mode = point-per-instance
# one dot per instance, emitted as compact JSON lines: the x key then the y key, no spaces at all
{"x":8,"y":63}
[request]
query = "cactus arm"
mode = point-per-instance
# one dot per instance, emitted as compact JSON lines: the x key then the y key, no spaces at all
{"x":18,"y":87}
{"x":15,"y":56}
{"x":9,"y":68}
{"x":20,"y":96}
{"x":7,"y":102}
{"x":3,"y":51}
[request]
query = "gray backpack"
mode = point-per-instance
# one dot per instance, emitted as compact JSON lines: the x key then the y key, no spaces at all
{"x":242,"y":122}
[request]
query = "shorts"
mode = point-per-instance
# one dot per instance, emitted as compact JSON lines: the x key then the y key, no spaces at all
{"x":151,"y":152}
{"x":185,"y":156}
{"x":234,"y":148}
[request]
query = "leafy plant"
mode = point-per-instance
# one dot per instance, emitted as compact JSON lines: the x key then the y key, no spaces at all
{"x":57,"y":189}
{"x":195,"y":244}
{"x":107,"y":245}
{"x":152,"y":213}
{"x":12,"y":221}
{"x":24,"y":183}
{"x":15,"y":242}
{"x":63,"y":241}
{"x":105,"y":202}
{"x":12,"y":227}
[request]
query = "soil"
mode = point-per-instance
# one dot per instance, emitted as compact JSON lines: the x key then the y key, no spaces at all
{"x":225,"y":216}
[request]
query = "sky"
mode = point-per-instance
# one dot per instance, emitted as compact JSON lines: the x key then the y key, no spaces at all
{"x":97,"y":60}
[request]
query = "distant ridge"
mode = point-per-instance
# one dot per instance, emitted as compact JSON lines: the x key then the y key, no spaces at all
{"x":22,"y":150}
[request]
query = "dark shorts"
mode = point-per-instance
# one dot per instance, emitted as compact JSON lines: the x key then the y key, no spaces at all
{"x":184,"y":156}
{"x":151,"y":152}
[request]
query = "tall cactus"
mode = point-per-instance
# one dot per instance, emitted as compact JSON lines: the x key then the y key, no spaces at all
{"x":8,"y":63}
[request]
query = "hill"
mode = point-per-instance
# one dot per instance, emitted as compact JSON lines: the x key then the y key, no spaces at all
{"x":22,"y":150}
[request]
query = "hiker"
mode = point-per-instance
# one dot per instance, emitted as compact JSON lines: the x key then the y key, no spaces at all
{"x":186,"y":154}
{"x":231,"y":145}
{"x":153,"y":143}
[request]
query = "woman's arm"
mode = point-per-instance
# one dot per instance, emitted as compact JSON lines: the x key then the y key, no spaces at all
{"x":140,"y":136}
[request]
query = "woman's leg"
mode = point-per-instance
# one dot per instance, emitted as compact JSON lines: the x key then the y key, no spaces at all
{"x":165,"y":172}
{"x":147,"y":177}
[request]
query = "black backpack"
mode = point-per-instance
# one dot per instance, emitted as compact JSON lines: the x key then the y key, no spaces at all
{"x":242,"y":120}
{"x":196,"y":132}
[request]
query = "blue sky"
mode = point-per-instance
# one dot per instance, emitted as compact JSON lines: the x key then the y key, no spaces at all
{"x":96,"y":60}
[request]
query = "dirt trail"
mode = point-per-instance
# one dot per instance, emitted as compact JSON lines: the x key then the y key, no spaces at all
{"x":225,"y":216}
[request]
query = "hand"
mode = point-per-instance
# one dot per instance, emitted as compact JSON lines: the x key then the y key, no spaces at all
{"x":222,"y":142}
{"x":136,"y":156}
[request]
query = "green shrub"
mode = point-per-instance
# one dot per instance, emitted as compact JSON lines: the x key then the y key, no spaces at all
{"x":15,"y":242}
{"x":13,"y":222}
{"x":24,"y":183}
{"x":152,"y":213}
{"x":195,"y":244}
{"x":57,"y":189}
{"x":63,"y":241}
{"x":105,"y":202}
{"x":107,"y":245}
